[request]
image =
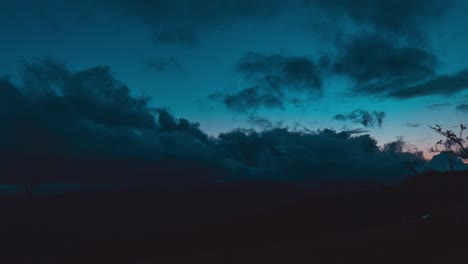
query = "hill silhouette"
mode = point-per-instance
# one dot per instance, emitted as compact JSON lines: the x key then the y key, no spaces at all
{"x":422,"y":219}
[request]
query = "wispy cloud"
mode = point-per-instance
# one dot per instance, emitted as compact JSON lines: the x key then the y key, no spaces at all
{"x":363,"y":117}
{"x":413,"y":125}
{"x":274,"y":78}
{"x":163,"y":64}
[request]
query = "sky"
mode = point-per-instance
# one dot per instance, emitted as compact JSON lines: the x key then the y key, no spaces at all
{"x":388,"y":67}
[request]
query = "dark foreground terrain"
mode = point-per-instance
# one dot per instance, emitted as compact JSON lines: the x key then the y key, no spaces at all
{"x":424,"y":220}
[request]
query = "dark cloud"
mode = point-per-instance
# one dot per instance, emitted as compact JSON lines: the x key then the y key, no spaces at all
{"x":443,"y":106}
{"x":395,"y":146}
{"x":462,"y":108}
{"x":85,"y":126}
{"x":260,"y":121}
{"x":355,"y":131}
{"x":274,"y":78}
{"x":265,"y":123}
{"x":440,"y":85}
{"x":285,"y":155}
{"x":276,"y":71}
{"x":252,"y":99}
{"x":185,"y":21}
{"x":163,"y":64}
{"x":168,"y":123}
{"x":399,"y":17}
{"x":413,"y":125}
{"x":440,"y":106}
{"x":389,"y":59}
{"x":363,"y":117}
{"x":378,"y":64}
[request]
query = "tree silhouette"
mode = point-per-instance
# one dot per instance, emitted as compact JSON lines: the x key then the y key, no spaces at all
{"x":455,"y":145}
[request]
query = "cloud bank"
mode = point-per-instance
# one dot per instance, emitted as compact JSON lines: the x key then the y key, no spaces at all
{"x":85,"y":126}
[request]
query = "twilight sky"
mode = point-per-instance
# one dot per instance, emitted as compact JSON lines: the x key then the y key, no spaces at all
{"x":390,"y":67}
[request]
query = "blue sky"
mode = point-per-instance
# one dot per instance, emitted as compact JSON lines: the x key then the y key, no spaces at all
{"x":181,"y":52}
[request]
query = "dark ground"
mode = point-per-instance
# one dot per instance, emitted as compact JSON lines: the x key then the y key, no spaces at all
{"x":424,"y":220}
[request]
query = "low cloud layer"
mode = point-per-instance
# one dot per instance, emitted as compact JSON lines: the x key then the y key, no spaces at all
{"x":85,"y":126}
{"x":313,"y":157}
{"x":89,"y":125}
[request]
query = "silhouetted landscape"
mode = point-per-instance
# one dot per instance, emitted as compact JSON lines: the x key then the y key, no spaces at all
{"x":421,"y":220}
{"x":233,"y":131}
